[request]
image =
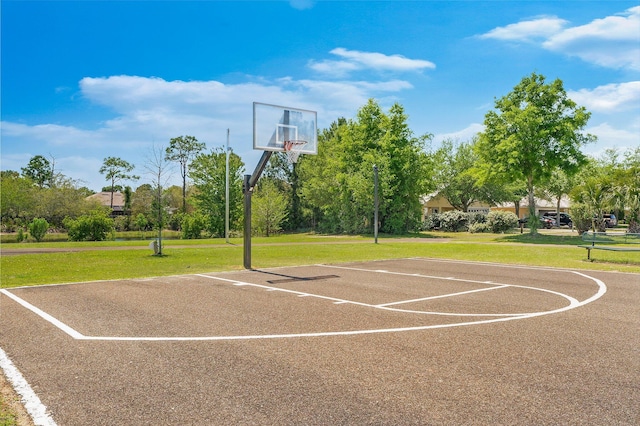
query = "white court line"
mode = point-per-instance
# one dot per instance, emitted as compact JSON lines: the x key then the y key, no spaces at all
{"x":284,"y":290}
{"x":406,"y":274}
{"x":441,"y":296}
{"x":495,"y":317}
{"x":572,"y":301}
{"x":62,"y":326}
{"x":30,"y":400}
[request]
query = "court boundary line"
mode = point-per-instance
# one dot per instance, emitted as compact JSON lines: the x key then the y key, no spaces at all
{"x":32,"y":404}
{"x":501,"y":317}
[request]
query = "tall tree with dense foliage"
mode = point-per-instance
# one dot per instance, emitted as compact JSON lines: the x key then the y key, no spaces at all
{"x":338,"y":182}
{"x":454,"y":178}
{"x":286,"y":177}
{"x":183,"y":150}
{"x":116,"y":170}
{"x":208,"y":174}
{"x":592,"y":197}
{"x":18,"y":198}
{"x":612,"y":184}
{"x":39,"y":170}
{"x":536,"y":129}
{"x":630,"y":187}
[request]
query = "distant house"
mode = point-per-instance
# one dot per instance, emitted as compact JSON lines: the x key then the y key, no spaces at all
{"x":435,"y":203}
{"x":104,"y":198}
{"x":542,"y":206}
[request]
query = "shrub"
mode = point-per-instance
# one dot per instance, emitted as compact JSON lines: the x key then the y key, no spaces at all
{"x":477,"y":227}
{"x":501,"y":221}
{"x":476,"y":217}
{"x":581,"y":217}
{"x":21,"y":237}
{"x":454,"y":221}
{"x":192,"y":225}
{"x":96,"y":226}
{"x":431,"y":222}
{"x":38,"y":228}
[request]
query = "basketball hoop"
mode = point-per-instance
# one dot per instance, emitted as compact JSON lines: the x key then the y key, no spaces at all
{"x":293,"y":150}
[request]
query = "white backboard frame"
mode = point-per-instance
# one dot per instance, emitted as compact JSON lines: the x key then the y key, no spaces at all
{"x":274,"y":124}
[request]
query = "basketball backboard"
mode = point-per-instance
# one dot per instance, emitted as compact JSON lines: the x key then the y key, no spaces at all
{"x":274,"y":125}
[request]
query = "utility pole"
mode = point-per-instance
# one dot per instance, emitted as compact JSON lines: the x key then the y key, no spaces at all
{"x":375,"y":203}
{"x":226,"y":195}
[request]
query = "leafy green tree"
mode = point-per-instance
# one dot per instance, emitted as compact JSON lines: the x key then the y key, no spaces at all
{"x":338,"y":182}
{"x":115,"y":170}
{"x":18,"y":199}
{"x":61,"y":200}
{"x":192,"y":225}
{"x":183,"y":150}
{"x":269,"y":208}
{"x":38,"y":228}
{"x":630,"y":187}
{"x":142,"y":202}
{"x":208,"y":174}
{"x":173,"y":195}
{"x":287,"y":179}
{"x":557,"y":186}
{"x":39,"y":170}
{"x":537,"y":129}
{"x":594,"y":196}
{"x":454,"y":177}
{"x":141,"y":223}
{"x":114,"y":188}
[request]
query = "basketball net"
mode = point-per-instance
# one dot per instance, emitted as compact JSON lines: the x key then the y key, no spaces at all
{"x":293,"y":150}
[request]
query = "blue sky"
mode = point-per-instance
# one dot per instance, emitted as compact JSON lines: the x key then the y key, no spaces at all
{"x":84,"y":80}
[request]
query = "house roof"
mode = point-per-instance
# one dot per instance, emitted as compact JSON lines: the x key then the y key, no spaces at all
{"x":565,"y":202}
{"x":541,"y":203}
{"x":105,"y":199}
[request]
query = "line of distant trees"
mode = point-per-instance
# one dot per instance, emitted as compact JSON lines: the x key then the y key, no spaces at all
{"x":531,"y":147}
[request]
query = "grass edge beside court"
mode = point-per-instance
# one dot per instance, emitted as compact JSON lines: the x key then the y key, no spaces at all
{"x":95,"y":263}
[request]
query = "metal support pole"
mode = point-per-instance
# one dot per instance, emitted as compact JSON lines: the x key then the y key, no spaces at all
{"x":375,"y":203}
{"x":246,"y":189}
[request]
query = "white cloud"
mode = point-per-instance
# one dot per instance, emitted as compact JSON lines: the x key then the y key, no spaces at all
{"x":611,"y":137}
{"x":354,"y":60}
{"x":611,"y":42}
{"x":530,"y":30}
{"x":334,"y":68}
{"x":463,"y":135}
{"x":609,"y":98}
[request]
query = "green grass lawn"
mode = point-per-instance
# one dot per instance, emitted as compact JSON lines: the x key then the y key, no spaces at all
{"x":133,"y":259}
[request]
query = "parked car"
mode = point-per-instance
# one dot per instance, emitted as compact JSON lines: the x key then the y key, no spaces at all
{"x":565,"y":219}
{"x":545,"y":222}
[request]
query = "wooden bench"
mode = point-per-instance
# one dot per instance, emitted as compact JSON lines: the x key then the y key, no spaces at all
{"x":610,"y":241}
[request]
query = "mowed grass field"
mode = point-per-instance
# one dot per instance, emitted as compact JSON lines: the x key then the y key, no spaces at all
{"x":87,"y":261}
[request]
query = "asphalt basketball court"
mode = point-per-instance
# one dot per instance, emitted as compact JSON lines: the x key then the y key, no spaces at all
{"x":412,"y":341}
